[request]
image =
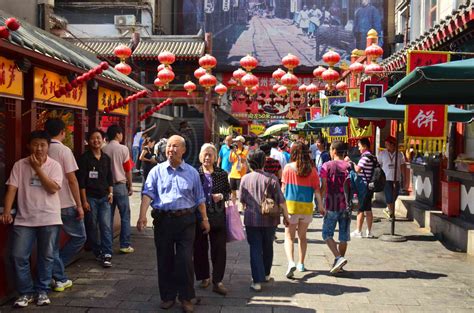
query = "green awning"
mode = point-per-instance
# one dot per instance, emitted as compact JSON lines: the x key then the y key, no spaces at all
{"x":378,"y":109}
{"x":330,"y":120}
{"x":446,"y":83}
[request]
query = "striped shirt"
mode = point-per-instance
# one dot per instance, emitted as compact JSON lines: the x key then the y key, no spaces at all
{"x":367,"y":167}
{"x":299,"y":190}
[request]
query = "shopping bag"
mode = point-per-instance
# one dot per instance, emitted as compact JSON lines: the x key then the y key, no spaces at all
{"x":235,"y":229}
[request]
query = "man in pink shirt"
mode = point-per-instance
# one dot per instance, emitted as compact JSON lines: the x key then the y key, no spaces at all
{"x":72,"y":213}
{"x":122,"y":176}
{"x":37,"y":180}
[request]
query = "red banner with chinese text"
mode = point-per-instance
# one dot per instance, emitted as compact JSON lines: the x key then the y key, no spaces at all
{"x":426,"y":125}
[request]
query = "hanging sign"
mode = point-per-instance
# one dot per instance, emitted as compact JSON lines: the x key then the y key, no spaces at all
{"x":46,"y":82}
{"x":355,"y":130}
{"x":11,"y":79}
{"x":225,"y":5}
{"x":426,"y":124}
{"x":257,"y":129}
{"x":209,"y":6}
{"x":108,"y":98}
{"x":314,"y":113}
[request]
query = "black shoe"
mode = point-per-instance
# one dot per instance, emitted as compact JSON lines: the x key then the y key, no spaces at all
{"x":107,"y":261}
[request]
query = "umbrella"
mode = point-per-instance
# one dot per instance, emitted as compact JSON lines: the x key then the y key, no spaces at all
{"x":380,"y":108}
{"x":445,"y":83}
{"x":330,"y":120}
{"x":275,"y":129}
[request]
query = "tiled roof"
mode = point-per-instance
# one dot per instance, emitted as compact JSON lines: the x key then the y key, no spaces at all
{"x":183,"y":47}
{"x":39,"y":41}
{"x":453,"y":26}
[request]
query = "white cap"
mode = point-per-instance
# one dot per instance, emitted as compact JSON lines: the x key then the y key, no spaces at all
{"x":240,"y":138}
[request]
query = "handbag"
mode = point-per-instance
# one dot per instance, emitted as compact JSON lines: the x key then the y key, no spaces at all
{"x":235,"y":229}
{"x":268,"y":207}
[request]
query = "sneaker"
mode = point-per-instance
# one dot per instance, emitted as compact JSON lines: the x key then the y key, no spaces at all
{"x":300,"y":267}
{"x":268,"y":278}
{"x":23,"y":301}
{"x":338,"y":263}
{"x":99,"y":258}
{"x":43,"y":299}
{"x":291,"y":270}
{"x":61,"y":286}
{"x":387,"y":213}
{"x":107,"y":261}
{"x":256,"y":287}
{"x":369,"y":234}
{"x":128,"y":249}
{"x":356,"y":234}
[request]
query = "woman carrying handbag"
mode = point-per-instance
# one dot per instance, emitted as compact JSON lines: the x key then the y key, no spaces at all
{"x":217,"y":190}
{"x":263,"y":204}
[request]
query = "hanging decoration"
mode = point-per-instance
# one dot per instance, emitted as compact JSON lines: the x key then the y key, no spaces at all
{"x":11,"y":25}
{"x":373,"y":52}
{"x":156,"y":108}
{"x":123,"y":52}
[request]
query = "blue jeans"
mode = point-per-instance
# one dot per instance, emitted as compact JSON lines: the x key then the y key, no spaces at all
{"x":77,"y":233}
{"x":99,"y":227}
{"x":135,"y":154}
{"x":122,"y":202}
{"x":260,"y":240}
{"x":23,"y":239}
{"x":388,"y":190}
{"x":329,"y":225}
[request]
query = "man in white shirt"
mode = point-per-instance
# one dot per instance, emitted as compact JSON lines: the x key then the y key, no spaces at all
{"x":388,"y":163}
{"x":276,"y":154}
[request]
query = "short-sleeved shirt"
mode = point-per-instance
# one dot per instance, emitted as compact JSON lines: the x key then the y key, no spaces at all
{"x":387,"y":162}
{"x":224,"y":155}
{"x":367,"y":167}
{"x":271,"y":166}
{"x":118,"y":154}
{"x":252,"y":189}
{"x":299,"y":190}
{"x":36,"y":206}
{"x":63,"y":155}
{"x":335,"y":173}
{"x":174,"y":189}
{"x":278,"y":155}
{"x":136,"y":139}
{"x":95,"y":175}
{"x":321,"y":158}
{"x":237,"y":173}
{"x":314,"y":150}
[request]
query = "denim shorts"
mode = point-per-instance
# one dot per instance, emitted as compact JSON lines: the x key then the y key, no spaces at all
{"x":388,"y":190}
{"x":329,"y":225}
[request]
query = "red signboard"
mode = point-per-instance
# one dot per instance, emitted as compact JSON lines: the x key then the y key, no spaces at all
{"x":315,"y":113}
{"x":426,"y":121}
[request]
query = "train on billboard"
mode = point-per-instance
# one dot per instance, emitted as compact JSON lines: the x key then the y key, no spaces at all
{"x":269,"y":29}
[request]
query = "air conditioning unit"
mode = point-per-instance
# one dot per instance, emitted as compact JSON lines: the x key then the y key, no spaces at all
{"x":124,"y":20}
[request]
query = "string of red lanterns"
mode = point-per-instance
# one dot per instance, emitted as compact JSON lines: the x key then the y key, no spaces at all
{"x":11,"y":24}
{"x":123,"y":102}
{"x":156,"y":108}
{"x":165,"y":73}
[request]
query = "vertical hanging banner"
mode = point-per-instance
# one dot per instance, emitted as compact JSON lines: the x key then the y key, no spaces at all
{"x":355,"y":130}
{"x":225,"y":5}
{"x":426,"y":124}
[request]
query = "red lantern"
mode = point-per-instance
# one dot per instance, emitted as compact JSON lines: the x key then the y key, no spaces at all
{"x":373,"y":51}
{"x":166,"y":57}
{"x":98,"y":70}
{"x":57,"y":93}
{"x":302,"y":88}
{"x":275,"y":88}
{"x":189,"y":87}
{"x":290,"y":61}
{"x":123,"y":68}
{"x":356,"y":68}
{"x":277,"y":74}
{"x":330,"y":76}
{"x":318,"y":72}
{"x":282,"y":91}
{"x":12,"y":24}
{"x":207,"y":80}
{"x":373,"y":69}
{"x":341,"y":86}
{"x":238,"y":74}
{"x":104,"y":65}
{"x":249,"y":80}
{"x":163,"y":66}
{"x":248,"y":62}
{"x":166,"y":76}
{"x":232,"y":83}
{"x":312,"y":89}
{"x":158,"y":83}
{"x":4,"y":32}
{"x":79,"y":79}
{"x":252,"y":90}
{"x":199,"y":73}
{"x":68,"y":87}
{"x":74,"y":83}
{"x":220,"y":89}
{"x":289,"y":80}
{"x":207,"y":62}
{"x":122,"y":52}
{"x":63,"y":90}
{"x":331,"y":58}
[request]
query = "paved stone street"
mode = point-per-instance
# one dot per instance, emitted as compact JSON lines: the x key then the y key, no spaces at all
{"x":420,"y":275}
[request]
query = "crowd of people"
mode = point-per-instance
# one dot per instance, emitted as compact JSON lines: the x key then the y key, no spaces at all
{"x":189,"y":205}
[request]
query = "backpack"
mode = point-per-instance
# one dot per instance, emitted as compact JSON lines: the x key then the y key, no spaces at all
{"x":377,"y":182}
{"x":160,"y":150}
{"x":335,"y":179}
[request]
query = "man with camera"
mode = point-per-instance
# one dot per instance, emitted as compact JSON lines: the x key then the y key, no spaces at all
{"x":238,"y":158}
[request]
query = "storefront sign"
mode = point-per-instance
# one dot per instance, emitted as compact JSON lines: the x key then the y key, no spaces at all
{"x":314,"y":114}
{"x":238,"y":130}
{"x":426,"y":124}
{"x":46,"y":82}
{"x":257,"y":129}
{"x":107,"y":98}
{"x":11,"y":79}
